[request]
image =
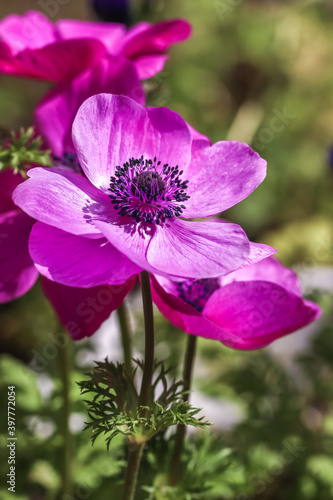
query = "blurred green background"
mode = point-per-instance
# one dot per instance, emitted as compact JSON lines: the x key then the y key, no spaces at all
{"x":259,"y":72}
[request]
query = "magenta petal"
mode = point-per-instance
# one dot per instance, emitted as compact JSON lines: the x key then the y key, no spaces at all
{"x":17,"y":271}
{"x":258,"y":252}
{"x":183,"y":315}
{"x":258,"y":312}
{"x":174,"y":137}
{"x":58,"y":62}
{"x":8,"y":182}
{"x":221,"y":176}
{"x":197,"y":249}
{"x":267,"y":269}
{"x":107,"y":131}
{"x":31,"y":31}
{"x":155,"y":39}
{"x":198,"y":136}
{"x":129,"y":239}
{"x":78,"y":261}
{"x":82,"y":310}
{"x":62,"y":199}
{"x":180,"y":248}
{"x":55,"y":114}
{"x":110,"y":34}
{"x":149,"y":66}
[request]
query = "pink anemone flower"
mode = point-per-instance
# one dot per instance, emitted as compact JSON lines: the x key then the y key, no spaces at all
{"x":247,"y":309}
{"x":32,"y":46}
{"x":144,"y":173}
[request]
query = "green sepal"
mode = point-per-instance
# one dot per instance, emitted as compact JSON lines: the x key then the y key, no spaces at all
{"x":23,"y":149}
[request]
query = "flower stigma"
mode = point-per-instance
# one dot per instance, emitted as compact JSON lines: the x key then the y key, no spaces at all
{"x":148,"y":191}
{"x":197,"y":292}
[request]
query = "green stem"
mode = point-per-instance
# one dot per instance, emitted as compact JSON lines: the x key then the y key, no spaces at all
{"x":131,"y":476}
{"x":65,"y":354}
{"x":144,"y":397}
{"x":125,"y":337}
{"x":181,"y":429}
{"x":135,"y":449}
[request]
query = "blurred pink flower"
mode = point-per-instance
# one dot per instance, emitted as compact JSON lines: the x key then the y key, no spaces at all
{"x":32,"y":46}
{"x":82,"y":310}
{"x":246,"y":309}
{"x":17,"y":270}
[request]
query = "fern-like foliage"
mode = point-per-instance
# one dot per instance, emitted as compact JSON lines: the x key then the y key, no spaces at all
{"x":113,"y":403}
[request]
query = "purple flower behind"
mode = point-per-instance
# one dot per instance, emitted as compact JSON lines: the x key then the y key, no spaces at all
{"x":116,"y":11}
{"x":247,"y":309}
{"x":82,"y":310}
{"x":144,"y":174}
{"x":32,"y":46}
{"x":17,"y":270}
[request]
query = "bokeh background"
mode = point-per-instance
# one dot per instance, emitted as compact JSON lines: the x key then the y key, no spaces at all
{"x":256,"y":71}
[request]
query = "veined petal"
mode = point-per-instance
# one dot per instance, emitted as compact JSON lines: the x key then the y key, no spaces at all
{"x":268,"y":269}
{"x":82,"y":310}
{"x":123,"y":129}
{"x":17,"y":271}
{"x":258,"y":312}
{"x":197,"y":249}
{"x":55,"y":114}
{"x":221,"y":176}
{"x":78,"y":261}
{"x":107,"y":131}
{"x":174,"y":137}
{"x":258,"y":252}
{"x":129,"y":238}
{"x":180,"y":248}
{"x":62,"y":199}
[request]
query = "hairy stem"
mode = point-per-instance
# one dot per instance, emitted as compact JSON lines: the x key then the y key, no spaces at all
{"x":181,"y":429}
{"x":135,"y":450}
{"x":125,"y":337}
{"x":144,"y":397}
{"x":131,"y":476}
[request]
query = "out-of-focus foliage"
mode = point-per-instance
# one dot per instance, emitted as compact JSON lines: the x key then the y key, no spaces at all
{"x":259,"y":72}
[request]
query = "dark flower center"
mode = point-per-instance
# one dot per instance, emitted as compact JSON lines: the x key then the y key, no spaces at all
{"x":69,"y":160}
{"x":149,"y":183}
{"x":148,"y":191}
{"x":197,"y":292}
